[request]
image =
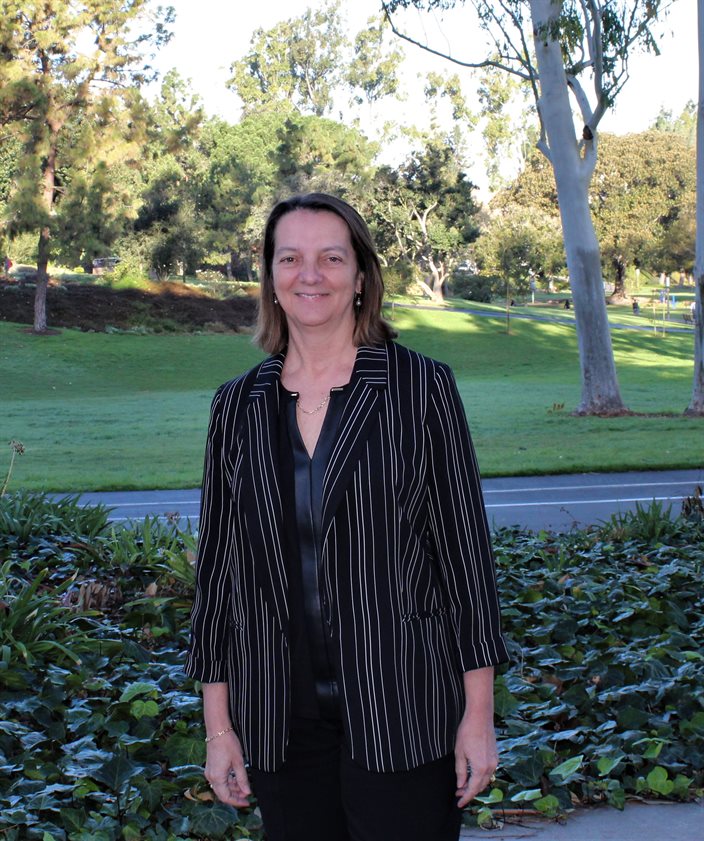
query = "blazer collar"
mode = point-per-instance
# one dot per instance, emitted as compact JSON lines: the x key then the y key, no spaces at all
{"x":371,"y":367}
{"x":368,"y":385}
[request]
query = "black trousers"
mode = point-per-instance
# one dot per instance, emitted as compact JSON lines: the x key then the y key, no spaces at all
{"x":320,"y":794}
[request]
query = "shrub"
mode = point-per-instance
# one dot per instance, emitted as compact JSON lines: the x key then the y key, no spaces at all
{"x":101,"y":733}
{"x":23,"y":248}
{"x":476,"y":287}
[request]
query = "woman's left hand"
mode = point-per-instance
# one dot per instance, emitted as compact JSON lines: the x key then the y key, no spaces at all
{"x":476,"y":757}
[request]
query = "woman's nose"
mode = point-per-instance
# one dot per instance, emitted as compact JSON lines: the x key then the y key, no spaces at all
{"x":309,"y":273}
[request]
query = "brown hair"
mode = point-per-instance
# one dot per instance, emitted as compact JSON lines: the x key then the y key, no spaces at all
{"x":370,"y":328}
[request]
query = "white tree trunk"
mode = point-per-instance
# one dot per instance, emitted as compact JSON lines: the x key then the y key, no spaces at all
{"x":600,"y":389}
{"x":696,"y":405}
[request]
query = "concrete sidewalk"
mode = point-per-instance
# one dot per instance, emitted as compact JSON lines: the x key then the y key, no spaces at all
{"x":637,"y":822}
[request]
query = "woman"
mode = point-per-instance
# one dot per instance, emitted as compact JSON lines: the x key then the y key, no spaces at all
{"x":346,"y":622}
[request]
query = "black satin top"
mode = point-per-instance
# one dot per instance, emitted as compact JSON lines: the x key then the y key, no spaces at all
{"x":313,"y":675}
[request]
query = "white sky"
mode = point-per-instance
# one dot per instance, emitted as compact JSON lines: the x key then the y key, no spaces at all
{"x":211,"y":34}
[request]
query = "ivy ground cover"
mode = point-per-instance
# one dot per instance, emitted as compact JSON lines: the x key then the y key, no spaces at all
{"x":100,"y":731}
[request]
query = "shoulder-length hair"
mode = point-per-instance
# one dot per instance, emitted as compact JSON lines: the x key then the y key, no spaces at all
{"x":370,"y":327}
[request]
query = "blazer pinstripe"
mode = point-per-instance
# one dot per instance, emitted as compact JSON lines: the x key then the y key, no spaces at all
{"x":407,"y":571}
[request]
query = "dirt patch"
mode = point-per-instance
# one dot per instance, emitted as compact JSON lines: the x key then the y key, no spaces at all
{"x":163,"y":308}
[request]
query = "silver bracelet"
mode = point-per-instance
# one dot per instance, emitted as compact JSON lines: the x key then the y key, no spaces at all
{"x":217,"y":735}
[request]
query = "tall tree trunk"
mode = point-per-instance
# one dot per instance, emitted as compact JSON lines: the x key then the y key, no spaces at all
{"x":44,"y":247}
{"x":696,"y":404}
{"x":600,"y":389}
{"x":42,"y":281}
{"x":620,"y":280}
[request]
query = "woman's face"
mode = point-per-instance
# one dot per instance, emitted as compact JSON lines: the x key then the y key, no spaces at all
{"x":315,"y":270}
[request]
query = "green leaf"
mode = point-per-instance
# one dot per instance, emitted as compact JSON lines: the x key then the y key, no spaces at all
{"x":213,"y":821}
{"x":527,"y":796}
{"x":568,"y":768}
{"x":485,"y":818}
{"x":182,"y":749}
{"x":494,"y":796}
{"x":117,"y":771}
{"x":144,"y":709}
{"x":548,"y":805}
{"x":139,"y":688}
{"x":659,"y":782}
{"x":606,"y":764}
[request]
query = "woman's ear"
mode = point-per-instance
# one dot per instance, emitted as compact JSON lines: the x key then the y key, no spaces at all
{"x":359,"y":285}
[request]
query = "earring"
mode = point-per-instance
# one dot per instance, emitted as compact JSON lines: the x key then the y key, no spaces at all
{"x":276,"y":300}
{"x":358,"y":299}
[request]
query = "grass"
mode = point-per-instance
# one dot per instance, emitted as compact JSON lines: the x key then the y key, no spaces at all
{"x":108,"y":411}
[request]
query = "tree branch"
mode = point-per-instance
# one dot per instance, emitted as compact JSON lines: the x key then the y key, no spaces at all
{"x":585,"y":108}
{"x":428,"y":49}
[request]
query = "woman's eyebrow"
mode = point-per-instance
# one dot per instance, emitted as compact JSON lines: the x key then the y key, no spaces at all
{"x":342,"y":248}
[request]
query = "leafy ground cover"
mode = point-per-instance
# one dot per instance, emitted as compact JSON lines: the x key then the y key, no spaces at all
{"x":100,"y":411}
{"x":100,"y":731}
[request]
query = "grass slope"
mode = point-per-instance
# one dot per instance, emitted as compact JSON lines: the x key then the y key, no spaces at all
{"x":101,"y":411}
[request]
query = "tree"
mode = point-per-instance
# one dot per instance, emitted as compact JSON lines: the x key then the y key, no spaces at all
{"x":521,"y":243}
{"x":170,"y":231}
{"x":296,"y":62}
{"x":506,"y":128}
{"x":424,"y":212}
{"x":306,"y":63}
{"x":685,"y":125}
{"x":696,"y":403}
{"x":60,"y":59}
{"x":641,"y":196}
{"x":574,"y":43}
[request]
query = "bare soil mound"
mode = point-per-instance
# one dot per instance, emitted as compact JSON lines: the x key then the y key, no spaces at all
{"x":162,"y":308}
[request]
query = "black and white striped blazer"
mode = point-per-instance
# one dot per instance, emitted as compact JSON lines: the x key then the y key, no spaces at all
{"x":407,"y":577}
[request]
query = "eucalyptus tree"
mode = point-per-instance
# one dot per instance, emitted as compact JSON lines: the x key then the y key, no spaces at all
{"x":60,"y":59}
{"x":696,"y":403}
{"x":311,"y":64}
{"x":569,"y":52}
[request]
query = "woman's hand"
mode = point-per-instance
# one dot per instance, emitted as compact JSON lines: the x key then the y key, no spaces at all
{"x":476,"y":756}
{"x":225,"y":771}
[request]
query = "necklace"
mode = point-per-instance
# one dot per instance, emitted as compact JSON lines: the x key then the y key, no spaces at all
{"x":312,"y":411}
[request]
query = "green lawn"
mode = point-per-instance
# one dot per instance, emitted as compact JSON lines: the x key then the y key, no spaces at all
{"x":100,"y":411}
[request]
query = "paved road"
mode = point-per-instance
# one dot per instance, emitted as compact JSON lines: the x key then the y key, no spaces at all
{"x":637,"y":822}
{"x":535,"y":502}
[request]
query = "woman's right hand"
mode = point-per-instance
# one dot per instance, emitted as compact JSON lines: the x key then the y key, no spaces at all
{"x":225,"y":771}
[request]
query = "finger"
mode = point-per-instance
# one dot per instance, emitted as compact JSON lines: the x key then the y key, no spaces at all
{"x":230,"y":793}
{"x":475,"y":784}
{"x":461,"y":771}
{"x":238,"y":774}
{"x":239,"y":780}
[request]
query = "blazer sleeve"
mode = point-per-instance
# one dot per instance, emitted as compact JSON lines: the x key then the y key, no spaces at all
{"x":208,"y":651}
{"x":460,"y":529}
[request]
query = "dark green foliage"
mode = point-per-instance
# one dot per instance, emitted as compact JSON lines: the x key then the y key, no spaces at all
{"x":100,"y":731}
{"x":476,"y":287}
{"x":605,"y":695}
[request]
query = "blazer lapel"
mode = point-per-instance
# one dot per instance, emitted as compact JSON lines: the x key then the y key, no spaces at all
{"x":369,"y":382}
{"x":261,"y":491}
